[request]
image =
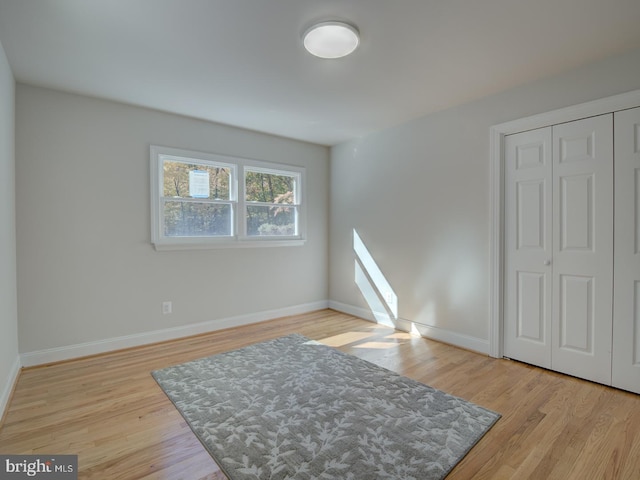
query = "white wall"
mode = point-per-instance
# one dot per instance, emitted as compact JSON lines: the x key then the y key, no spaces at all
{"x":9,"y":364}
{"x":418,"y":195}
{"x":86,"y":269}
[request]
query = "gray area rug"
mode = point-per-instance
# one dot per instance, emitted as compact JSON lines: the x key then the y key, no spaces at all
{"x":293,"y":408}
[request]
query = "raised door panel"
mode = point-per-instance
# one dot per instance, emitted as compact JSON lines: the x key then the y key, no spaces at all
{"x":576,"y":313}
{"x":576,"y":212}
{"x":530,"y":214}
{"x":527,"y":328}
{"x":583,"y":248}
{"x":530,"y":307}
{"x":626,"y":324}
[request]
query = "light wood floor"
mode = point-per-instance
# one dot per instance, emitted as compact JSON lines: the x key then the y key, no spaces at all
{"x":108,"y":409}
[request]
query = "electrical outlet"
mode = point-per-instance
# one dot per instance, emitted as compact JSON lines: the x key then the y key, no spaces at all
{"x":167,"y":307}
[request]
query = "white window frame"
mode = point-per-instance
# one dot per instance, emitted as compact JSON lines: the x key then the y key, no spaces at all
{"x":238,"y":167}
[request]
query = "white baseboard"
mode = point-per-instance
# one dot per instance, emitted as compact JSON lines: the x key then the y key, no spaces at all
{"x":359,"y":312}
{"x":68,"y":352}
{"x":454,"y":338}
{"x":8,"y":386}
{"x":435,"y":333}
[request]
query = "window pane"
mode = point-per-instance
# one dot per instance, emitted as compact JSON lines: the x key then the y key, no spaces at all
{"x":271,"y":221}
{"x":190,"y":180}
{"x":269,"y":188}
{"x":189,"y":219}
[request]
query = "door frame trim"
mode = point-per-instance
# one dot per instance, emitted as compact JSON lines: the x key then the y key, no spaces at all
{"x":602,"y":106}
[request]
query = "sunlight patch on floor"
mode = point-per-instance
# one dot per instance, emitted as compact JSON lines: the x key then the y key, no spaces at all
{"x":400,"y":336}
{"x":345,"y":338}
{"x":378,"y":345}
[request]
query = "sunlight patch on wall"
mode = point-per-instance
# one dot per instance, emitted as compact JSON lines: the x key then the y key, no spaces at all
{"x":414,"y":330}
{"x":376,"y":290}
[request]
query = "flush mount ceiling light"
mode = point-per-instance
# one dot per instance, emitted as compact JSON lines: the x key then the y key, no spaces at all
{"x":331,"y":39}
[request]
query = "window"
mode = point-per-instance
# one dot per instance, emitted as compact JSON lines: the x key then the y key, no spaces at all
{"x":202,"y":200}
{"x":197,"y":198}
{"x":271,"y":202}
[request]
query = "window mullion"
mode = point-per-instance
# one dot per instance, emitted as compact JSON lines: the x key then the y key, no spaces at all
{"x":241,"y":216}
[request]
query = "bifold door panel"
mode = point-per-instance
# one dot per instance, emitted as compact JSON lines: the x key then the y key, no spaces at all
{"x":626,"y":326}
{"x":528,"y":246}
{"x":583,"y":248}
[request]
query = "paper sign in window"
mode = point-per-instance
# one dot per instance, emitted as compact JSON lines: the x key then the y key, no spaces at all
{"x":198,"y":184}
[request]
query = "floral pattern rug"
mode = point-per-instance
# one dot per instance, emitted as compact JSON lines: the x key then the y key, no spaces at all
{"x":292,"y":408}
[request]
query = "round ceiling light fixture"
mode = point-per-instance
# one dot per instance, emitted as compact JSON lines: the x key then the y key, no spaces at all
{"x":332,"y":39}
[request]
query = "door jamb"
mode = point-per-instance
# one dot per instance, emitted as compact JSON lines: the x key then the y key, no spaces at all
{"x":498,"y":132}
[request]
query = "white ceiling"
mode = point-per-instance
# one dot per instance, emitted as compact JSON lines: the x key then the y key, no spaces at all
{"x":241,"y":62}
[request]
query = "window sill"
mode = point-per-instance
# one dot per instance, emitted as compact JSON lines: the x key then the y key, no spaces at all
{"x":235,"y":243}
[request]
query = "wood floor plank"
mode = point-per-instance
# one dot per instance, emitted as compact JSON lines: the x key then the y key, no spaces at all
{"x":109,"y":411}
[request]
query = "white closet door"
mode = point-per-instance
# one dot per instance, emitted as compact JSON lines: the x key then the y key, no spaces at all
{"x":626,"y":322}
{"x":583,"y":248}
{"x":528,"y":247}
